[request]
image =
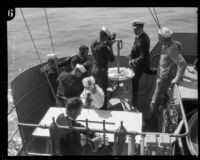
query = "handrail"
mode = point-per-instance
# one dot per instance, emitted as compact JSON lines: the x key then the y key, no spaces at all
{"x":183,"y":112}
{"x":44,"y":126}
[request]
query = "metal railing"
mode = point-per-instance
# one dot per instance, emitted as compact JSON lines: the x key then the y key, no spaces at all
{"x":132,"y":134}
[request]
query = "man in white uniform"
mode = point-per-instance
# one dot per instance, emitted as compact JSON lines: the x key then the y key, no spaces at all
{"x":92,"y":95}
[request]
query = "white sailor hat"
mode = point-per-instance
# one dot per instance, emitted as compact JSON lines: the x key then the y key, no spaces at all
{"x":80,"y":67}
{"x":88,"y":82}
{"x":103,"y":28}
{"x":165,"y":32}
{"x":51,"y":56}
{"x":137,"y":23}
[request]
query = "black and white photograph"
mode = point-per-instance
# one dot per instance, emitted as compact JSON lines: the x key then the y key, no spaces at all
{"x":102,"y":81}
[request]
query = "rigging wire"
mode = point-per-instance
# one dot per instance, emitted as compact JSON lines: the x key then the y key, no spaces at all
{"x":155,"y":18}
{"x":37,"y":53}
{"x":49,"y":31}
{"x":57,"y":68}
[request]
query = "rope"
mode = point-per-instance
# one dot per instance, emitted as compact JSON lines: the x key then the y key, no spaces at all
{"x":37,"y":53}
{"x":155,"y":18}
{"x":49,"y":31}
{"x":57,"y":68}
{"x":119,"y":140}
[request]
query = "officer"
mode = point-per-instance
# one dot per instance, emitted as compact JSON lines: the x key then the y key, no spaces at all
{"x":102,"y":52}
{"x":139,"y":57}
{"x":82,"y":58}
{"x":70,"y":84}
{"x":171,"y":68}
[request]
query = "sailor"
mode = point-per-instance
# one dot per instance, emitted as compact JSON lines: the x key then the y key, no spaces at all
{"x":68,"y":142}
{"x":52,"y":74}
{"x":102,"y":52}
{"x":171,"y":68}
{"x":92,"y":95}
{"x":139,"y":57}
{"x":82,"y":58}
{"x":70,"y":84}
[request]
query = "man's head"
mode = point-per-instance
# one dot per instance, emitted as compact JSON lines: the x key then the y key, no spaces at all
{"x":104,"y":34}
{"x":79,"y":70}
{"x":137,"y":26}
{"x":164,"y":35}
{"x":74,"y":107}
{"x":83,"y":51}
{"x":52,"y":60}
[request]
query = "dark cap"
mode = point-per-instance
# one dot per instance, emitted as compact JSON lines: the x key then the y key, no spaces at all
{"x":83,"y":48}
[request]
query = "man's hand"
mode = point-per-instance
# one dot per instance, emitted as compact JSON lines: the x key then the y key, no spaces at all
{"x":132,"y":63}
{"x":174,"y":81}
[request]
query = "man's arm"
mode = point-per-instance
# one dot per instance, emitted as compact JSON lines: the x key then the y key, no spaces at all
{"x":90,"y":134}
{"x":108,"y":51}
{"x":74,"y":62}
{"x":98,"y":97}
{"x":178,"y":59}
{"x":144,"y":51}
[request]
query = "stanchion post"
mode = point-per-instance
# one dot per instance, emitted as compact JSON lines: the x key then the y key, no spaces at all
{"x":86,"y":131}
{"x":104,"y":136}
{"x":131,"y":145}
{"x":142,"y":149}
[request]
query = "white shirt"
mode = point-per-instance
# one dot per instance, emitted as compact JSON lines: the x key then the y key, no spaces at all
{"x":97,"y":97}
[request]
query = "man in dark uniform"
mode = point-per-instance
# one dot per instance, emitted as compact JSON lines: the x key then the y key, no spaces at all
{"x":68,"y":141}
{"x":52,"y":74}
{"x":70,"y":84}
{"x":139,"y":57}
{"x":81,"y":58}
{"x":102,"y":54}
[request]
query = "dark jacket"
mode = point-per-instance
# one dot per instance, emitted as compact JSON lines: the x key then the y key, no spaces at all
{"x":69,"y":141}
{"x":52,"y":76}
{"x":102,"y":54}
{"x":72,"y":86}
{"x":78,"y":60}
{"x":140,"y":52}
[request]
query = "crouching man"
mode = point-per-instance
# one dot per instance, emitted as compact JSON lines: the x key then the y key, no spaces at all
{"x":69,"y":142}
{"x":92,"y":95}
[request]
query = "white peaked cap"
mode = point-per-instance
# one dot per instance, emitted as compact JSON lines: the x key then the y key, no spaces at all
{"x":165,"y":32}
{"x":88,"y":81}
{"x":51,"y":56}
{"x":103,"y":28}
{"x":137,"y":23}
{"x":80,"y":67}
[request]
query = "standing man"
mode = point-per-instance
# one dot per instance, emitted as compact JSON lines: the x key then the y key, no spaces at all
{"x":139,"y":57}
{"x":102,"y":52}
{"x":171,"y":67}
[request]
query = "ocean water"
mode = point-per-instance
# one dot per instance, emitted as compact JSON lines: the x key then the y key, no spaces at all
{"x":72,"y":27}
